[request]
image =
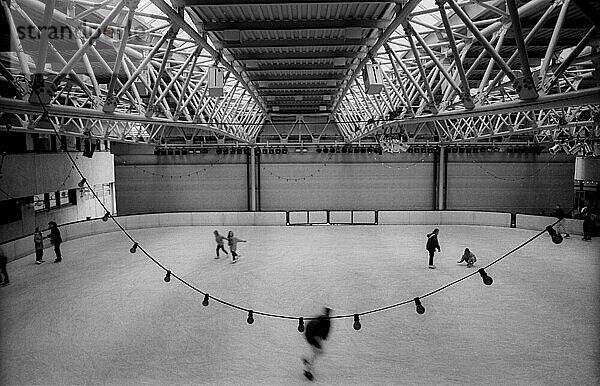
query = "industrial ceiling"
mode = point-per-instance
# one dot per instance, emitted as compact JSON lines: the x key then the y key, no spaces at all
{"x":192,"y":73}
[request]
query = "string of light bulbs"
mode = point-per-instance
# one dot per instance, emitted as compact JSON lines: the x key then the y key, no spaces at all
{"x":197,"y":172}
{"x":386,"y":165}
{"x":537,"y":172}
{"x":420,"y":309}
{"x":296,"y":179}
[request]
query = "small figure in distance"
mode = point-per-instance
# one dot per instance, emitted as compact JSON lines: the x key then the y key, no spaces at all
{"x":3,"y":272}
{"x":233,"y":241}
{"x":468,"y":257}
{"x":56,"y":240}
{"x":316,"y":332}
{"x":38,"y":240}
{"x":220,"y":243}
{"x":432,"y":245}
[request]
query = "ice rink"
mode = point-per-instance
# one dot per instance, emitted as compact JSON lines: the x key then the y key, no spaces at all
{"x":105,"y":316}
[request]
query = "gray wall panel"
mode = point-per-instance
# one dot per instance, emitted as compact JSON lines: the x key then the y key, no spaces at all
{"x":347,"y":186}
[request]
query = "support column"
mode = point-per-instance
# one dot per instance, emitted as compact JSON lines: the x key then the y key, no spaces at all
{"x":252,"y":180}
{"x":441,"y":173}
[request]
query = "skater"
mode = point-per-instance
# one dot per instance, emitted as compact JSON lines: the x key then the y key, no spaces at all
{"x":38,"y":240}
{"x":3,"y":272}
{"x":220,"y":242}
{"x":468,"y":257}
{"x":316,"y":332}
{"x":56,"y":240}
{"x":587,"y":223}
{"x":232,"y":241}
{"x":559,"y":213}
{"x":432,"y":245}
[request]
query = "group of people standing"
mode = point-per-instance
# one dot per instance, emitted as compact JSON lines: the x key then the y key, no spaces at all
{"x":232,"y":242}
{"x":38,"y":240}
{"x":55,"y":240}
{"x":585,"y":213}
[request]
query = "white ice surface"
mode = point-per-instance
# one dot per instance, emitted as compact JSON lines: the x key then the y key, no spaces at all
{"x":105,"y":316}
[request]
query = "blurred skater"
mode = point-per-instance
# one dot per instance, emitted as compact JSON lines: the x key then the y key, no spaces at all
{"x":432,"y":245}
{"x":316,"y":332}
{"x":38,"y":240}
{"x":55,"y":240}
{"x":559,"y":213}
{"x":468,"y":257}
{"x":220,"y":243}
{"x":3,"y":273}
{"x":232,"y":241}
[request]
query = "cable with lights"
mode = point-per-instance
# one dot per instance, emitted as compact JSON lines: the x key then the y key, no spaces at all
{"x":420,"y":309}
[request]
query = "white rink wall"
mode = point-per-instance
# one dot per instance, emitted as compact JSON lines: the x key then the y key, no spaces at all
{"x":24,"y":246}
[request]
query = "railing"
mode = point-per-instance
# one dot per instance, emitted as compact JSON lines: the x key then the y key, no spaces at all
{"x":24,"y":246}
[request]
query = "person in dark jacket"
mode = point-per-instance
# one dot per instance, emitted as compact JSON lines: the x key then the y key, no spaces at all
{"x":587,"y":223}
{"x":316,"y":332}
{"x":3,"y":262}
{"x":55,"y":240}
{"x":432,"y":245}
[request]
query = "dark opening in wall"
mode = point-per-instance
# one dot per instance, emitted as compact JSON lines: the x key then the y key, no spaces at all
{"x":10,"y":211}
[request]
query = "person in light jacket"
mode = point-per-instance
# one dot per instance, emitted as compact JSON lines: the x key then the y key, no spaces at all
{"x":38,"y":240}
{"x":468,"y":257}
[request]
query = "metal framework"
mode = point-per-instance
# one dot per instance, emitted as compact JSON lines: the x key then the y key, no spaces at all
{"x":452,"y":71}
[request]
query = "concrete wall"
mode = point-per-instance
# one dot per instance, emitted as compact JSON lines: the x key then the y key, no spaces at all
{"x":25,"y":175}
{"x":502,"y":182}
{"x":521,"y":183}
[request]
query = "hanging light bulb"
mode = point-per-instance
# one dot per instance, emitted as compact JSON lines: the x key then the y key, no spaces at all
{"x":168,"y":277}
{"x":81,"y":183}
{"x":134,"y":248}
{"x":420,"y":308}
{"x":486,"y":279}
{"x":356,"y":324}
{"x":301,"y":325}
{"x":205,"y":301}
{"x":250,"y":319}
{"x":106,"y":216}
{"x":556,"y":237}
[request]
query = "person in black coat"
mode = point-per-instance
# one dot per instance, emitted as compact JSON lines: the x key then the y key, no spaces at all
{"x":432,"y":245}
{"x":3,"y":262}
{"x":55,"y":240}
{"x":316,"y":332}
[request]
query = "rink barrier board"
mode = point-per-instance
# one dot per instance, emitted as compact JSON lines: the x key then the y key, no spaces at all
{"x":538,"y":223}
{"x":24,"y":246}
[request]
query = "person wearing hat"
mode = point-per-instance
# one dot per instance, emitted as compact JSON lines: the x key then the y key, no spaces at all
{"x":55,"y":240}
{"x":316,"y":332}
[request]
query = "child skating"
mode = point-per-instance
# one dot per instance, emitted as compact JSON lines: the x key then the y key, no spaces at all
{"x":232,"y":241}
{"x":316,"y":332}
{"x":432,"y":245}
{"x":220,"y":239}
{"x":468,"y":257}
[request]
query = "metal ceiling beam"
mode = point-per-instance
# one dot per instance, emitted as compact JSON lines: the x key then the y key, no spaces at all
{"x":584,"y":97}
{"x":296,"y":67}
{"x":190,"y":3}
{"x":290,"y":43}
{"x":287,"y":25}
{"x":293,"y":77}
{"x":329,"y":54}
{"x":15,"y":106}
{"x":178,"y":19}
{"x":402,"y":13}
